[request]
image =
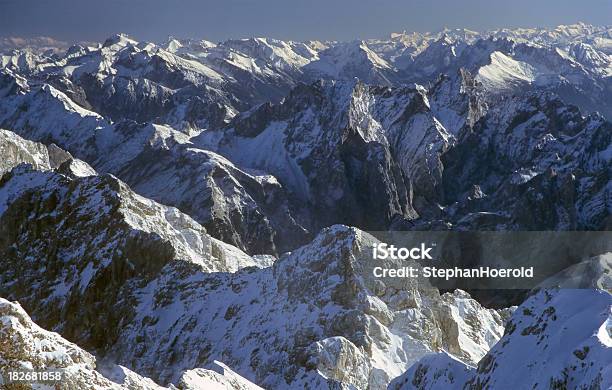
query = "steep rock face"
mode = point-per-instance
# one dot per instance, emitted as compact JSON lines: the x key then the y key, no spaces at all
{"x":309,"y":144}
{"x":553,"y":340}
{"x":533,"y":164}
{"x":111,"y":241}
{"x":23,"y":60}
{"x":509,"y":66}
{"x":418,"y":140}
{"x":397,"y":142}
{"x":311,"y":319}
{"x":245,"y":209}
{"x":189,"y":87}
{"x":26,"y":346}
{"x":145,"y":285}
{"x":172,"y":300}
{"x":449,"y":155}
{"x":348,"y":152}
{"x":194,"y":85}
{"x":457,"y":101}
{"x":15,"y":150}
{"x":46,"y":115}
{"x":571,"y":343}
{"x":587,"y":54}
{"x":440,"y":56}
{"x":12,"y":83}
{"x":259,"y":69}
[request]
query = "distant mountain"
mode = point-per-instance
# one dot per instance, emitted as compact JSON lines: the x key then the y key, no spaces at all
{"x":174,"y":82}
{"x":39,"y":44}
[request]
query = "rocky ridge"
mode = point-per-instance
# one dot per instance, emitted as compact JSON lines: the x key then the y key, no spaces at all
{"x":568,"y":345}
{"x":26,"y":346}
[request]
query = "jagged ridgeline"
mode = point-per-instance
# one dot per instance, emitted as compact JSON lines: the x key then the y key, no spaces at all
{"x":189,"y":214}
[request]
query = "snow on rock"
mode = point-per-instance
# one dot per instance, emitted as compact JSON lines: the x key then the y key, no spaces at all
{"x":585,"y":53}
{"x":243,"y":208}
{"x":111,"y":238}
{"x":401,"y":139}
{"x":553,"y":340}
{"x":504,"y":72}
{"x":595,"y":272}
{"x":328,"y":142}
{"x":313,"y":321}
{"x":195,"y":84}
{"x":349,"y":60}
{"x":215,"y":196}
{"x":16,"y":150}
{"x":48,"y":114}
{"x":246,"y":153}
{"x":76,"y":168}
{"x":539,"y":162}
{"x":438,"y":371}
{"x":569,"y":343}
{"x":281,"y":55}
{"x":457,"y":100}
{"x":143,"y":285}
{"x":139,"y":81}
{"x":26,"y":346}
{"x":218,"y":377}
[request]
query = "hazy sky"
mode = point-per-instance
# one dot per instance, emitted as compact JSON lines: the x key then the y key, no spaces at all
{"x":74,"y":20}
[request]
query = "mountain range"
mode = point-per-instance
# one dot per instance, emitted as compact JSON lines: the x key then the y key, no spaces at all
{"x":188,"y":214}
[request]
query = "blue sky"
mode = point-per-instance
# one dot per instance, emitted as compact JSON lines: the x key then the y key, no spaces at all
{"x":75,"y":20}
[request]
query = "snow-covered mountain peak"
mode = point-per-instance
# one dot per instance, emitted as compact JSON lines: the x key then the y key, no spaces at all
{"x":118,"y":41}
{"x":437,"y":57}
{"x":586,"y":54}
{"x":349,"y":60}
{"x":553,"y":340}
{"x":277,"y":52}
{"x":505,"y":73}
